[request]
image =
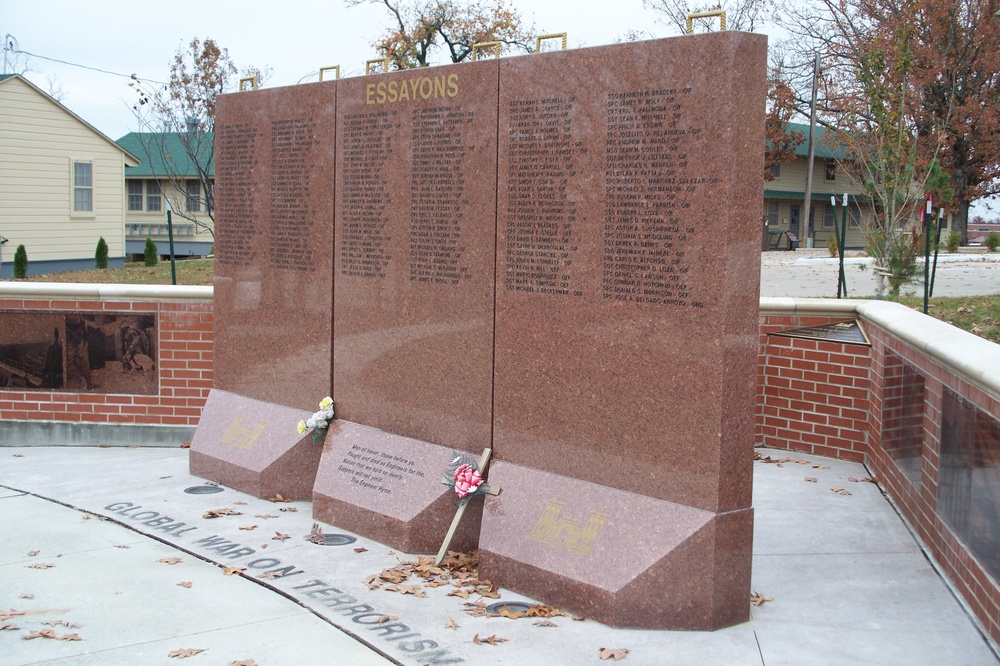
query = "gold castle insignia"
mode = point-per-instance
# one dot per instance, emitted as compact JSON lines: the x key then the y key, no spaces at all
{"x":565,"y":532}
{"x":241,"y":435}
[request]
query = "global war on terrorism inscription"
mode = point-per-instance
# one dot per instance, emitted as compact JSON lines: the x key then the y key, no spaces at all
{"x":554,"y":257}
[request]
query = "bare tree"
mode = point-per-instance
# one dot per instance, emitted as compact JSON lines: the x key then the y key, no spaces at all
{"x":182,"y":112}
{"x":421,"y":27}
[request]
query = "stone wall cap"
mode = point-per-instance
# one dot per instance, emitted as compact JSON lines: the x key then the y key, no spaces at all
{"x":105,"y":292}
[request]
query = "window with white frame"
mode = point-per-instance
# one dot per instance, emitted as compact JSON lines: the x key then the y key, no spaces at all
{"x":134,"y":195}
{"x":83,"y":186}
{"x":154,"y":202}
{"x":771,"y":212}
{"x":193,"y":191}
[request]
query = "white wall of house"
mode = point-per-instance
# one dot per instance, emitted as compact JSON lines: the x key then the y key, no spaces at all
{"x":40,"y":143}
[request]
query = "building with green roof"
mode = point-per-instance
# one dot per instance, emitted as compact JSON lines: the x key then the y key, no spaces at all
{"x":176,"y":169}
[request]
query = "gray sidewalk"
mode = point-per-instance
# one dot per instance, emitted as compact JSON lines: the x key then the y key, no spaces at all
{"x":813,"y":274}
{"x":846,"y":582}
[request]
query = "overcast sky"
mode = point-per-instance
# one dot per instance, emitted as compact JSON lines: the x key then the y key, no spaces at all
{"x":293,"y":37}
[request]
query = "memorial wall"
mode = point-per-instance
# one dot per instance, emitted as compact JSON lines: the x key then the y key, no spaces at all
{"x":556,"y":256}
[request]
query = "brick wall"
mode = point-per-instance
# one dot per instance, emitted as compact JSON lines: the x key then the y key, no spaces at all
{"x":184,"y":354}
{"x":812,"y":395}
{"x":883,"y":405}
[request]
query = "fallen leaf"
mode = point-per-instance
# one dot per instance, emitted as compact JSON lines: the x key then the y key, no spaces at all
{"x":278,"y":498}
{"x":61,"y":623}
{"x":415,"y":590}
{"x":186,"y":584}
{"x":757,"y":599}
{"x":462,"y":593}
{"x":544,"y":623}
{"x":248,"y":528}
{"x":33,"y":553}
{"x":86,"y":516}
{"x":243,"y":662}
{"x":229,"y":571}
{"x":70,"y":637}
{"x":811,"y":479}
{"x":801,"y":462}
{"x":186,"y":445}
{"x":264,"y":516}
{"x":608,"y":653}
{"x":219,"y":513}
{"x":360,"y":550}
{"x":9,"y":626}
{"x":821,"y":466}
{"x":25,"y":596}
{"x":372,"y":582}
{"x":868,"y":479}
{"x":270,"y":575}
{"x":288,"y":509}
{"x":492,"y":640}
{"x":450,"y":624}
{"x":840,"y":491}
{"x":44,"y":633}
{"x":316,"y":535}
{"x":170,"y":560}
{"x":278,"y":536}
{"x":40,"y":565}
{"x":184,"y":653}
{"x":6,"y":615}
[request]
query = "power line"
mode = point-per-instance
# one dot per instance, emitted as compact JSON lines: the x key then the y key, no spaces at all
{"x":93,"y":69}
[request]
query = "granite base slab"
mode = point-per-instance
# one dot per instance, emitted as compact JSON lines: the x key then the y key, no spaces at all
{"x":253,"y":446}
{"x":620,"y":558}
{"x":389,"y":488}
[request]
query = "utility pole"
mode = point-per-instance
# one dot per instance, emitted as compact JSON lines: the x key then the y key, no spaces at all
{"x":807,"y":204}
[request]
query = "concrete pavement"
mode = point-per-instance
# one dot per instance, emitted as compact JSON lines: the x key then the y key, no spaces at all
{"x":813,"y":274}
{"x":845,"y":580}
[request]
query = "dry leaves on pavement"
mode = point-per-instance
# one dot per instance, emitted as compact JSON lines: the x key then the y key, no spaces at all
{"x":41,"y":565}
{"x":264,"y":516}
{"x":758,"y":599}
{"x":229,"y":571}
{"x":170,"y":560}
{"x":248,"y":528}
{"x":612,"y":653}
{"x":184,"y":653}
{"x":185,"y":584}
{"x":492,"y":640}
{"x":219,"y":513}
{"x":278,"y":536}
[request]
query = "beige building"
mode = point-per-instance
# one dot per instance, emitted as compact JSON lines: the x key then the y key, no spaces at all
{"x":784,"y":198}
{"x":61,"y":183}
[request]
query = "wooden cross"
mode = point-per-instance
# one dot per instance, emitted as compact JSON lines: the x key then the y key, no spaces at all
{"x":486,"y":488}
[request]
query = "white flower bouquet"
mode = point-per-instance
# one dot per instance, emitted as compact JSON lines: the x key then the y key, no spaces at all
{"x":318,"y":422}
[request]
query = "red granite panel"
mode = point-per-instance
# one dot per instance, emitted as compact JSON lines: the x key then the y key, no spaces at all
{"x":628,"y":250}
{"x":414,"y":253}
{"x":253,"y":446}
{"x":389,"y":488}
{"x":274,"y":243}
{"x":617,"y":557}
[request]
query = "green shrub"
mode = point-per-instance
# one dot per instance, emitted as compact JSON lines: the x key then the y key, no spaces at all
{"x":20,"y":263}
{"x":993,"y":241}
{"x":831,"y":246}
{"x":149,"y":256}
{"x":954,"y":240}
{"x":101,"y":254}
